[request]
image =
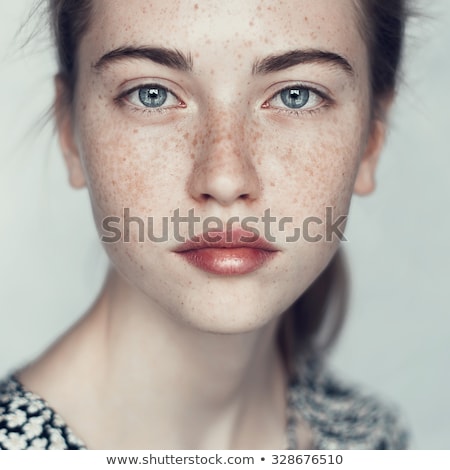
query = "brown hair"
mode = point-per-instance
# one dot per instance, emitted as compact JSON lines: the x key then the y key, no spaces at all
{"x":313,"y":322}
{"x":383,"y":25}
{"x":69,"y":21}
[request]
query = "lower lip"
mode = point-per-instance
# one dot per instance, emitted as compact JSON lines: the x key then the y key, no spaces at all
{"x":228,"y":261}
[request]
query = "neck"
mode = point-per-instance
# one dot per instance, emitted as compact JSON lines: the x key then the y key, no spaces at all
{"x":153,"y":379}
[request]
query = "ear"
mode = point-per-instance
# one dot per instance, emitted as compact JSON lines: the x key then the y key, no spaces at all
{"x":365,"y":178}
{"x":65,"y":129}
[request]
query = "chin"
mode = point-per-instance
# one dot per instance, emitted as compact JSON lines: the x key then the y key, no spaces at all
{"x":224,"y":323}
{"x":236,"y":310}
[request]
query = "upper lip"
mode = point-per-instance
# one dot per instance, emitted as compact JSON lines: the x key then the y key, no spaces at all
{"x":234,"y":239}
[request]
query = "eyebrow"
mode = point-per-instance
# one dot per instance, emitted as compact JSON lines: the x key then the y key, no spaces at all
{"x":276,"y":63}
{"x":175,"y":59}
{"x":172,"y":58}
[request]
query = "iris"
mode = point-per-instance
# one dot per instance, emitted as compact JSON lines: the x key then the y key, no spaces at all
{"x":153,"y":97}
{"x":295,"y":98}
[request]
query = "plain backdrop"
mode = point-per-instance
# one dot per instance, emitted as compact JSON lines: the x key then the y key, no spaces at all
{"x":396,"y":341}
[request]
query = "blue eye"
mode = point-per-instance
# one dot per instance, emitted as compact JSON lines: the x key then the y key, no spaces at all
{"x":153,"y":97}
{"x":295,"y":98}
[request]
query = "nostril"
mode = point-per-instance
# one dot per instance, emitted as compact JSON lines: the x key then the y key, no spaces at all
{"x":206,"y":196}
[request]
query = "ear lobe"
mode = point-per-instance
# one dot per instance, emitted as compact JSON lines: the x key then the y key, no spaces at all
{"x":64,"y":126}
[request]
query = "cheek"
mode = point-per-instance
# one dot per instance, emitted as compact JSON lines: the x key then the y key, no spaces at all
{"x":134,"y":167}
{"x":316,"y":161}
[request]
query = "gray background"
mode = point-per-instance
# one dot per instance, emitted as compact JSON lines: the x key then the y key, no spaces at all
{"x":396,"y":342}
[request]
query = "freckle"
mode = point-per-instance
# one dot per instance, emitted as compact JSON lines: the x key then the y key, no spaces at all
{"x":135,"y":131}
{"x":309,"y":171}
{"x":196,"y":6}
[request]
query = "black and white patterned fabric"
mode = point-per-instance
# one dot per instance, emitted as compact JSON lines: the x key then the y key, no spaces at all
{"x":28,"y":422}
{"x":339,"y":416}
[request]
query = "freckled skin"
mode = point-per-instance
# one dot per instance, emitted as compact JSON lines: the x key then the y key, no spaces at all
{"x":223,"y":153}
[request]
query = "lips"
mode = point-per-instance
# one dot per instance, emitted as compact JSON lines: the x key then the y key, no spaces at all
{"x":228,"y":253}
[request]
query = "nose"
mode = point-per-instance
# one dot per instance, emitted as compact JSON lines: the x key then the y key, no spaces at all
{"x":223,"y":169}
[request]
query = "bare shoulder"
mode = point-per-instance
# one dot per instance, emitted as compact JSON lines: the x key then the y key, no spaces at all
{"x":343,"y":416}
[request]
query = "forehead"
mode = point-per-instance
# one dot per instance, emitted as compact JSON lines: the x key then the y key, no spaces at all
{"x":250,"y":26}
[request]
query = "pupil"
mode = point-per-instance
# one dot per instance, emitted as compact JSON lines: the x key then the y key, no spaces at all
{"x":295,"y":97}
{"x":153,"y":97}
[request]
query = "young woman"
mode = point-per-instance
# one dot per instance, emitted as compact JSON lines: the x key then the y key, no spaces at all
{"x":221,"y":143}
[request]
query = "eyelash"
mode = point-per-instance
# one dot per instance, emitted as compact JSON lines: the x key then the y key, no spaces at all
{"x":326,"y":101}
{"x":122,"y":100}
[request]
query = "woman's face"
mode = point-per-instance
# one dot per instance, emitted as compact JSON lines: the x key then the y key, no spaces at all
{"x":229,"y":109}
